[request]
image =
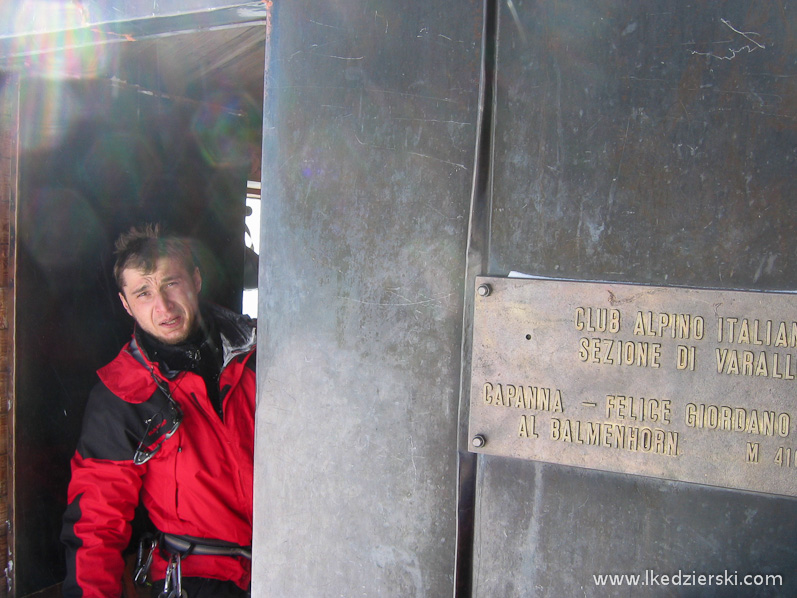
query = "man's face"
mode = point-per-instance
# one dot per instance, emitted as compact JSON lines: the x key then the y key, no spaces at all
{"x":165,"y":303}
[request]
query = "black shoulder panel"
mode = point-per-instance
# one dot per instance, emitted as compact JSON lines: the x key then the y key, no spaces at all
{"x":113,"y":428}
{"x":71,"y":589}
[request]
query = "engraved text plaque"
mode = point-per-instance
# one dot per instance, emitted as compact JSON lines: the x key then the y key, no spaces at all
{"x":681,"y":384}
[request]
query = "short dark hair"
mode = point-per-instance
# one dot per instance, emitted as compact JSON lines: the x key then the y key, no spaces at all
{"x":142,"y":246}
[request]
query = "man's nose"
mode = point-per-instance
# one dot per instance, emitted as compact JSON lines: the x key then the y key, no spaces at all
{"x":162,"y":301}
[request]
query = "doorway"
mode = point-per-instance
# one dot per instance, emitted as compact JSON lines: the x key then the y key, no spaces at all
{"x":164,"y":128}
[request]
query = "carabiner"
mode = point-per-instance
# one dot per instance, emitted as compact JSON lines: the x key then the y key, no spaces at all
{"x":146,"y":548}
{"x":173,"y":584}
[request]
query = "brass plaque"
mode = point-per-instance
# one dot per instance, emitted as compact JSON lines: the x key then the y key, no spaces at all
{"x":681,"y":384}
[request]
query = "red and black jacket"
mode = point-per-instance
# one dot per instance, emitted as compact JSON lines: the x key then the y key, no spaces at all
{"x":199,"y":483}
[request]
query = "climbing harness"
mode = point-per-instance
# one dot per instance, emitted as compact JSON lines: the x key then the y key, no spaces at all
{"x":175,"y":548}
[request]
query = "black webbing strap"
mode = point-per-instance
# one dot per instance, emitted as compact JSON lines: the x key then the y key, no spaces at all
{"x":186,"y":545}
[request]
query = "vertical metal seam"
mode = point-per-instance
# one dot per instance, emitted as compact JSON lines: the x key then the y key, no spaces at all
{"x":476,"y":263}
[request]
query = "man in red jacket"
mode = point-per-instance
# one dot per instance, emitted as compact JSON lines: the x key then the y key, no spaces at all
{"x":170,"y":425}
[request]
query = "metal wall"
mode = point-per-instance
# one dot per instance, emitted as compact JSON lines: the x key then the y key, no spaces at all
{"x":373,"y":108}
{"x":642,"y":142}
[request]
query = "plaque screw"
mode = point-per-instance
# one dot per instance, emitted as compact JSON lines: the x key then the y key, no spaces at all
{"x":479,"y":441}
{"x":484,"y":290}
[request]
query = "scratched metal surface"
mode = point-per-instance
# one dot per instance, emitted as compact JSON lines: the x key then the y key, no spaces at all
{"x":367,"y":172}
{"x":642,"y":142}
{"x":647,"y":141}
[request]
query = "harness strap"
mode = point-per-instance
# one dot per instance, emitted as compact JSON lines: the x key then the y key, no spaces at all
{"x":185,"y":545}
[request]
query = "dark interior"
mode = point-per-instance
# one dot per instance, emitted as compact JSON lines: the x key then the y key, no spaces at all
{"x":167,"y":129}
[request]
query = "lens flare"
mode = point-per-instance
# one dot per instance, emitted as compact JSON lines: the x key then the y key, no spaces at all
{"x":222,"y":131}
{"x":52,"y":42}
{"x":53,"y":39}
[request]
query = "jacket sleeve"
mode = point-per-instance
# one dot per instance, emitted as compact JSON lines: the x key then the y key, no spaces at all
{"x":102,"y":497}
